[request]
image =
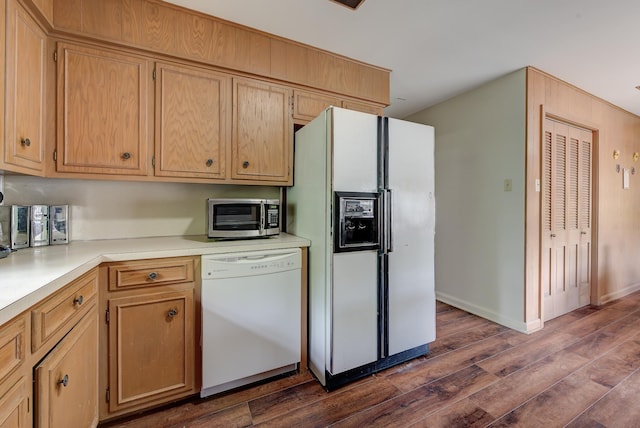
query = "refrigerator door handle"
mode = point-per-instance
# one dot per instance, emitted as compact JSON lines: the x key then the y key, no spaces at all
{"x":382,"y":221}
{"x":389,"y":218}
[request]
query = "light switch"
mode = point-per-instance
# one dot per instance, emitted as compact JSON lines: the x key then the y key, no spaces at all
{"x":508,"y":186}
{"x":625,"y":178}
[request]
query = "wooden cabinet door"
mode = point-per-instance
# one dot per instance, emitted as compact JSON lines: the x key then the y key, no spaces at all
{"x":193,"y":119}
{"x":67,"y":379}
{"x":151,"y":348}
{"x":363,"y":107}
{"x":262,"y":135}
{"x":308,"y":105}
{"x":103,"y":104}
{"x":14,"y":405}
{"x":25,"y":92}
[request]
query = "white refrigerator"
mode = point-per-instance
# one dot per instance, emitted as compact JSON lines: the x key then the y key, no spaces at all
{"x":363,"y":193}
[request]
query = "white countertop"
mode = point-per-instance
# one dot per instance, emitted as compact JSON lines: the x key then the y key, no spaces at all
{"x":31,"y":274}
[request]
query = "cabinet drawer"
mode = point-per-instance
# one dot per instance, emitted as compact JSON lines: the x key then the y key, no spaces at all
{"x":146,"y":273}
{"x":12,"y":343}
{"x":55,"y":316}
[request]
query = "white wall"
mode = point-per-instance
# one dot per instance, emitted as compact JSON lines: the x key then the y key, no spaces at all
{"x":480,"y":231}
{"x":117,"y":209}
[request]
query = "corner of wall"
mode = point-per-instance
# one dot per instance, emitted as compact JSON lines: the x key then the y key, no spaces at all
{"x":480,"y":225}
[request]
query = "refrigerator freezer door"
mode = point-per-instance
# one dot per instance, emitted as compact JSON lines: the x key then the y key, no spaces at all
{"x":411,"y":304}
{"x":355,"y":155}
{"x":354,"y":300}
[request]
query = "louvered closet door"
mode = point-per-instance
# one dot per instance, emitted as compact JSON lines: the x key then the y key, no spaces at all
{"x":566,"y":218}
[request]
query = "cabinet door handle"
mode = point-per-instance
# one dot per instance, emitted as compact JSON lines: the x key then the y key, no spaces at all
{"x":78,"y":301}
{"x":245,"y":164}
{"x":553,"y":235}
{"x":26,"y":142}
{"x":64,"y":381}
{"x":172,"y":313}
{"x":126,"y":155}
{"x":209,"y":162}
{"x":152,"y":276}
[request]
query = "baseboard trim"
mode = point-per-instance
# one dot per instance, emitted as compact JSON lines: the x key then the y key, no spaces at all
{"x":606,"y":298}
{"x":489,"y":314}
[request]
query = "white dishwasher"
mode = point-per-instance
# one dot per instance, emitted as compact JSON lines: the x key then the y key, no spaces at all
{"x":251,"y":306}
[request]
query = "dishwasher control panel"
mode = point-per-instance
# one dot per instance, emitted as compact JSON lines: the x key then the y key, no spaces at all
{"x":233,"y":265}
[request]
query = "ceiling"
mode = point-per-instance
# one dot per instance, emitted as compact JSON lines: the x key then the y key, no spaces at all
{"x":437,"y":49}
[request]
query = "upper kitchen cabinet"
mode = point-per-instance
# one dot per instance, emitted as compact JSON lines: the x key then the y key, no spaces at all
{"x":25,"y":93}
{"x":161,"y":27}
{"x":102,"y":111}
{"x":363,"y":107}
{"x":262,"y":132}
{"x":220,"y":108}
{"x":193,"y":119}
{"x":307,"y":105}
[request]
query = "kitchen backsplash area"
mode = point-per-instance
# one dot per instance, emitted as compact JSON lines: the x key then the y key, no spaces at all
{"x":119,"y":209}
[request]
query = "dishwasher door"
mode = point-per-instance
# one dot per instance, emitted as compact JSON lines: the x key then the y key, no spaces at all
{"x":251,"y":317}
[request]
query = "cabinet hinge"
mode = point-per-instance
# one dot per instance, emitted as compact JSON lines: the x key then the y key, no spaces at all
{"x":55,"y":155}
{"x":107,"y":316}
{"x":153,"y":75}
{"x":153,"y":161}
{"x":28,"y":405}
{"x":55,"y":56}
{"x":291,"y":106}
{"x":107,"y":395}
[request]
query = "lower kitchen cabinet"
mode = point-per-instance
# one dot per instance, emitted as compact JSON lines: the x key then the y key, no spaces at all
{"x":14,"y":404}
{"x":14,"y":379}
{"x":66,"y":380}
{"x":151,"y":349}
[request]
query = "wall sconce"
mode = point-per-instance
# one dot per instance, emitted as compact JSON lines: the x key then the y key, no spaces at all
{"x":636,"y":156}
{"x":616,"y":154}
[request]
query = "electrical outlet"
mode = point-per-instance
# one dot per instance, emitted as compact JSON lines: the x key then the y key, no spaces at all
{"x":508,"y":185}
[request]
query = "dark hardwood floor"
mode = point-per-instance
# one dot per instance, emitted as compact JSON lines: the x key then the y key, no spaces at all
{"x":581,"y":370}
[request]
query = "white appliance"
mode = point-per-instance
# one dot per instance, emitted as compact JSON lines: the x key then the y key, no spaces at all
{"x":363,"y":194}
{"x":242,"y":218}
{"x":251,"y":309}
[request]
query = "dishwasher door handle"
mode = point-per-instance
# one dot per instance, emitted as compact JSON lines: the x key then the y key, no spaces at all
{"x":259,"y":257}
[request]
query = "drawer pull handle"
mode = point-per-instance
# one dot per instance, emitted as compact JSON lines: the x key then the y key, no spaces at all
{"x":126,"y":155}
{"x":64,"y":381}
{"x":152,"y":276}
{"x":26,"y":142}
{"x":209,"y":162}
{"x":245,"y":164}
{"x":172,"y":313}
{"x":78,"y":301}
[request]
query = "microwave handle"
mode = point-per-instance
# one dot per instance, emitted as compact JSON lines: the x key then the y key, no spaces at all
{"x":263,"y":218}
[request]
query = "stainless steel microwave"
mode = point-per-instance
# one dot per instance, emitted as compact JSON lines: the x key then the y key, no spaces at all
{"x":242,"y":218}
